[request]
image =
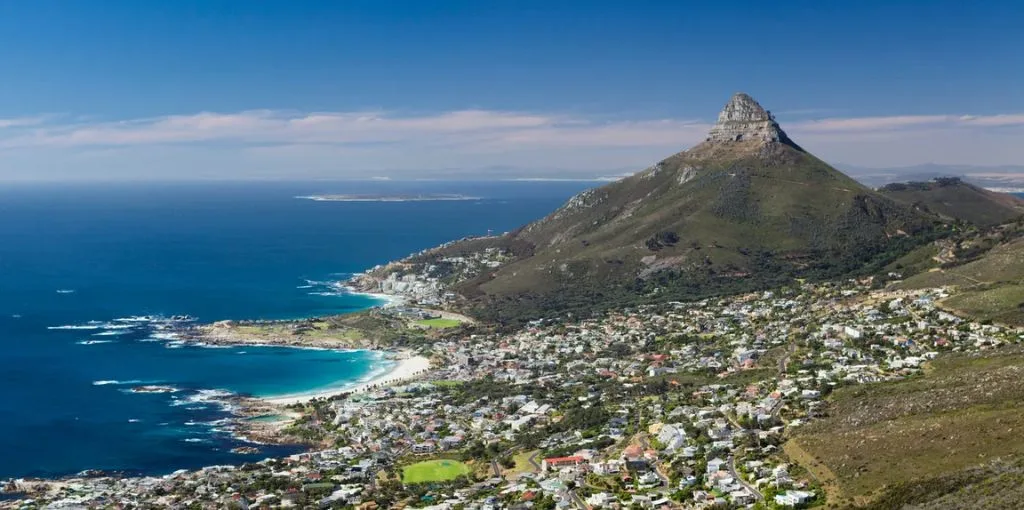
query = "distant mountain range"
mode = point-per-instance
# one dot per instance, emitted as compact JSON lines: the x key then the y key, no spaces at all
{"x":954,"y":199}
{"x":1008,"y":178}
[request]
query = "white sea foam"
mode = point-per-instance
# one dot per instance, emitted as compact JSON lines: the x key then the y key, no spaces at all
{"x":75,"y":326}
{"x":111,"y":332}
{"x":201,"y":398}
{"x":65,"y":291}
{"x":148,"y":389}
{"x":105,"y":382}
{"x":93,"y":342}
{"x":194,"y":440}
{"x":136,"y":318}
{"x":134,"y":420}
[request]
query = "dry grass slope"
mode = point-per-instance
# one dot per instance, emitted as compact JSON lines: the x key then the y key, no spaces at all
{"x":881,"y":441}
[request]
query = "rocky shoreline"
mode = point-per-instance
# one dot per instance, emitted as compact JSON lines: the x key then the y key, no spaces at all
{"x":258,"y":421}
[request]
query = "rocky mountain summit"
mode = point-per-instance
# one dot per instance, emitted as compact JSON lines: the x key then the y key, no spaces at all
{"x":744,"y":119}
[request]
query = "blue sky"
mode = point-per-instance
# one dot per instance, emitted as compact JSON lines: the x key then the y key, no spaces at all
{"x":210,"y":89}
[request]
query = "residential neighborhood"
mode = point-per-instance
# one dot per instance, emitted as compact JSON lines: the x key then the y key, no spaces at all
{"x":674,"y":405}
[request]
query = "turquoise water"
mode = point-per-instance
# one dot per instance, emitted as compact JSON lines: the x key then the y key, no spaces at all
{"x":91,"y":259}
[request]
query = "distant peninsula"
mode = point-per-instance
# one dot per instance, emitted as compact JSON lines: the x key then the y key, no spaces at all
{"x":429,"y":197}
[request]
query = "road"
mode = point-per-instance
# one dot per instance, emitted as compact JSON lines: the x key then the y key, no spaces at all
{"x":665,"y":481}
{"x":736,"y":476}
{"x":784,"y":361}
{"x":532,"y":459}
{"x":578,"y":500}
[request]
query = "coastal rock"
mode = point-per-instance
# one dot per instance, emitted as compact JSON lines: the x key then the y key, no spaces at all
{"x":744,"y":119}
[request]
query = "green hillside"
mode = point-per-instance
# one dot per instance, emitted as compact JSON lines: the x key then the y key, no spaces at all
{"x":955,"y":199}
{"x":747,"y":208}
{"x":987,"y":270}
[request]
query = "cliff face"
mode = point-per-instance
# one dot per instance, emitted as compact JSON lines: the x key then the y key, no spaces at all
{"x":743,"y":119}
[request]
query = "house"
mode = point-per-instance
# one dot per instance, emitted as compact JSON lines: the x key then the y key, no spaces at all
{"x":793,"y":498}
{"x":521,"y":422}
{"x":742,"y":497}
{"x":672,"y":436}
{"x":450,"y":442}
{"x":649,"y":479}
{"x":424,"y":448}
{"x":608,"y":468}
{"x":560,"y":462}
{"x":600,"y":499}
{"x":687,"y":482}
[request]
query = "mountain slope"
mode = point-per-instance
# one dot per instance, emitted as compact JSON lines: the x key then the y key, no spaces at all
{"x":747,"y":208}
{"x":986,"y":267}
{"x":959,"y":200}
{"x":745,"y":204}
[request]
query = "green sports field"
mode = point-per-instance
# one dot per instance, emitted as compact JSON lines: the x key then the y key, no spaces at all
{"x":440,"y":470}
{"x":439,"y":323}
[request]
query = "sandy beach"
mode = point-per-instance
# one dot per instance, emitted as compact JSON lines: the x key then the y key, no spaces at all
{"x":387,"y":300}
{"x":404,"y":370}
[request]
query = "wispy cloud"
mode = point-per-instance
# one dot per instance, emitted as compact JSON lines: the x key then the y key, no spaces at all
{"x":898,"y":122}
{"x":274,"y":142}
{"x":17,"y":122}
{"x":276,"y":127}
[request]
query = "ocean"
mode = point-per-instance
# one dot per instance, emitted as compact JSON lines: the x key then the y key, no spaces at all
{"x":88,"y":270}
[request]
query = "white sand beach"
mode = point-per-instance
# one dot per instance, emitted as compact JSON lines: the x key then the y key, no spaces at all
{"x":387,"y":300}
{"x":405,"y":369}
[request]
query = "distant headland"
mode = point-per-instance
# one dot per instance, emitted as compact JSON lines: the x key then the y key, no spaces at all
{"x":429,"y":197}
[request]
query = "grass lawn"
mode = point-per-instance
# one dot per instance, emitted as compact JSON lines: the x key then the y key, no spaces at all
{"x":438,"y":323}
{"x":440,"y":470}
{"x":522,"y":460}
{"x":444,"y":383}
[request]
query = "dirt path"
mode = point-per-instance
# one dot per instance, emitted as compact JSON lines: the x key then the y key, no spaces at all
{"x":820,"y":472}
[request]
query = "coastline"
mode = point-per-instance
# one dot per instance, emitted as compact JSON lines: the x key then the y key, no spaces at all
{"x":407,"y":368}
{"x":386,"y":198}
{"x":386,"y":300}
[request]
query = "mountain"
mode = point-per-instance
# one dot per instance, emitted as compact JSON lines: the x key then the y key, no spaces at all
{"x":1008,"y":178}
{"x":953,"y":198}
{"x":746,"y":208}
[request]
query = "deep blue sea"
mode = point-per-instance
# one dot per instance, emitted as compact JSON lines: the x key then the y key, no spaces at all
{"x":79,"y":261}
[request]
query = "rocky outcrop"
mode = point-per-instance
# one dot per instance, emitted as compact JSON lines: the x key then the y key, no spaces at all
{"x":743,"y":119}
